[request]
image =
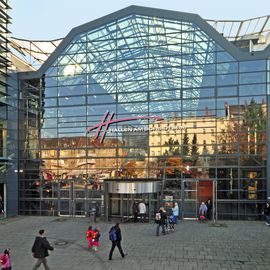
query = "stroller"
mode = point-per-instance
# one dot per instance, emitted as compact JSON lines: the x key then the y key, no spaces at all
{"x":169,"y":224}
{"x":202,"y":218}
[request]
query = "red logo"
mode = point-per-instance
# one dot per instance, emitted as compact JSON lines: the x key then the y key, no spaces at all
{"x":107,"y":120}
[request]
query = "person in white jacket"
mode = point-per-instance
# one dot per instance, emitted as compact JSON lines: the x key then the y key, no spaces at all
{"x":142,"y":211}
{"x":175,"y":211}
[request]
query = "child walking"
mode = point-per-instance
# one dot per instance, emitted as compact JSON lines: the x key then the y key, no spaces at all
{"x":5,"y":260}
{"x":96,"y":237}
{"x":90,"y":237}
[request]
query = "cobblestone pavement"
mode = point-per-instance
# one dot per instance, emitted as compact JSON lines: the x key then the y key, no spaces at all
{"x":237,"y":245}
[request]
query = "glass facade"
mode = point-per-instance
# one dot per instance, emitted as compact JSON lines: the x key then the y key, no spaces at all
{"x":8,"y":120}
{"x":145,"y":97}
{"x":5,"y":20}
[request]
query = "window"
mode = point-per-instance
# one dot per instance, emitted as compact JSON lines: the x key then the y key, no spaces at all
{"x":250,"y":66}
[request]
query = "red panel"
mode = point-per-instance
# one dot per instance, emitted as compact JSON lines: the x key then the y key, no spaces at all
{"x":205,"y":191}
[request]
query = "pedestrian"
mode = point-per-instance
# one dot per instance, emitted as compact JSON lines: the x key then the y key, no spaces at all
{"x":175,"y":211}
{"x":40,"y":250}
{"x":160,"y":219}
{"x":202,"y":212}
{"x":266,"y":213}
{"x":135,"y":210}
{"x":203,"y":209}
{"x":96,"y":236}
{"x":116,"y":238}
{"x":90,"y":237}
{"x":1,"y":205}
{"x":209,"y":209}
{"x":5,"y":260}
{"x":142,"y":211}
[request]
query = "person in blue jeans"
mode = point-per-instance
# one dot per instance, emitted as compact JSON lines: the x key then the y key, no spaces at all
{"x":175,"y":212}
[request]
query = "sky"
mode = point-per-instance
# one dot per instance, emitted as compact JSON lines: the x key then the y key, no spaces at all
{"x":53,"y":19}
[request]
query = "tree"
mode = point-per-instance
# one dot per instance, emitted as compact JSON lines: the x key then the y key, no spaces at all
{"x":254,"y":116}
{"x":172,"y":162}
{"x":228,"y":138}
{"x":174,"y":165}
{"x":185,"y":147}
{"x":174,"y":147}
{"x":250,"y":132}
{"x":254,"y":122}
{"x":194,"y":149}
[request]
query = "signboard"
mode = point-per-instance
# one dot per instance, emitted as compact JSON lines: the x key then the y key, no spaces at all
{"x":169,"y":201}
{"x":103,"y":127}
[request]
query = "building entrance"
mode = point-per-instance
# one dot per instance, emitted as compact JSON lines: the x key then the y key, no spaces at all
{"x":194,"y":192}
{"x":72,"y":197}
{"x":121,"y":195}
{"x":121,"y":206}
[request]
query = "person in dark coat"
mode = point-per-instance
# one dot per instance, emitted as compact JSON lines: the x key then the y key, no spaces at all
{"x":161,"y":221}
{"x":116,"y":241}
{"x":135,"y":209}
{"x":1,"y":205}
{"x":209,"y":209}
{"x":40,"y":250}
{"x":266,"y":213}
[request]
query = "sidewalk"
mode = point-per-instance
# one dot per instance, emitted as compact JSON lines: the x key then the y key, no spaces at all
{"x":240,"y":245}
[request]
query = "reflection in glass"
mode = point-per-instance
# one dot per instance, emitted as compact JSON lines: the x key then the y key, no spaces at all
{"x":162,"y":100}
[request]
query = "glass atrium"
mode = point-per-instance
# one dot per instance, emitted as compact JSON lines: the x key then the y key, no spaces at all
{"x":145,"y":97}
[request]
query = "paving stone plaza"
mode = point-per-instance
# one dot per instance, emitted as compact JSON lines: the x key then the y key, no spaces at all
{"x":232,"y":245}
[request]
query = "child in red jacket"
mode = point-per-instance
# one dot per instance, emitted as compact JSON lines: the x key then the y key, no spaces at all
{"x":96,"y":237}
{"x":5,"y":260}
{"x":90,"y":237}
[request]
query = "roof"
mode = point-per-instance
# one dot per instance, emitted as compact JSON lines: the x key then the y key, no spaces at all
{"x":237,"y":29}
{"x":234,"y":30}
{"x":33,"y":52}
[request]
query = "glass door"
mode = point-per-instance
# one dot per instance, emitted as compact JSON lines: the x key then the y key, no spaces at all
{"x":72,"y":198}
{"x":194,"y":192}
{"x":190,"y":199}
{"x":127,"y":202}
{"x":114,"y":205}
{"x":79,"y":191}
{"x":64,"y":198}
{"x":120,"y":206}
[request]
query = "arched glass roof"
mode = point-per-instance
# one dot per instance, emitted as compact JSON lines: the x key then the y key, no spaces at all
{"x":141,"y":53}
{"x":36,"y":52}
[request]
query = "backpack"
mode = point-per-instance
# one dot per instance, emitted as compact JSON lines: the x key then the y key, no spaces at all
{"x":157,"y":217}
{"x":112,"y":234}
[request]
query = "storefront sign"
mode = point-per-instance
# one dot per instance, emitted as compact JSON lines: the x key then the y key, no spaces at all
{"x":107,"y":120}
{"x":168,"y":201}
